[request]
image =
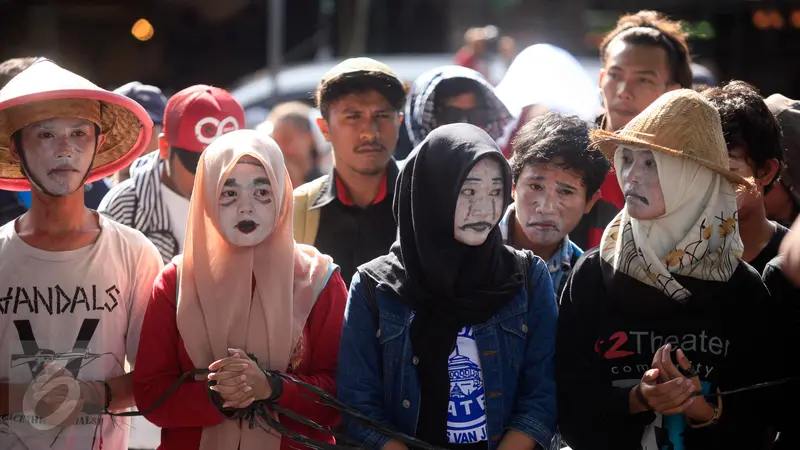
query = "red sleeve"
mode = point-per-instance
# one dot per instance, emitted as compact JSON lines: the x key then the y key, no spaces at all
{"x":465,"y":58}
{"x":158,"y":365}
{"x":324,"y":332}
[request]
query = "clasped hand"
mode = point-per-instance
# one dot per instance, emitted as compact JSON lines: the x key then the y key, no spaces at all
{"x":239,"y":380}
{"x":669,"y":392}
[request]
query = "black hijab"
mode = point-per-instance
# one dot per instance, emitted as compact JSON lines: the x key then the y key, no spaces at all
{"x":448,"y":284}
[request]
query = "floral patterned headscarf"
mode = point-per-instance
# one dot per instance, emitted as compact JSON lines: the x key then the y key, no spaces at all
{"x":697,"y":237}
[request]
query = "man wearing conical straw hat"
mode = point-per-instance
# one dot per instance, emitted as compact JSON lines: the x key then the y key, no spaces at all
{"x":73,"y":285}
{"x":664,"y":315}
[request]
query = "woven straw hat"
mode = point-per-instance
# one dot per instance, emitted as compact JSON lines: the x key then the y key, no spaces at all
{"x":679,"y":123}
{"x":46,"y":91}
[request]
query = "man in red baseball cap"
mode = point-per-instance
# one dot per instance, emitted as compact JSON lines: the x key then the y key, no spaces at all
{"x":155,"y":200}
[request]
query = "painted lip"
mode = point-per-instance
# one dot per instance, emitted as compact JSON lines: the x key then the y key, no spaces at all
{"x":633,"y":196}
{"x":63,"y":169}
{"x":477,"y":226}
{"x":246,"y":226}
{"x":544,"y":226}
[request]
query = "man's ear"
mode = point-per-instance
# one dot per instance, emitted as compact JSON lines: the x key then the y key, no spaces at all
{"x":163,"y":147}
{"x":101,"y":140}
{"x":768,"y":172}
{"x":14,"y":151}
{"x":514,"y":191}
{"x":590,"y":204}
{"x":323,"y":127}
{"x":400,"y":118}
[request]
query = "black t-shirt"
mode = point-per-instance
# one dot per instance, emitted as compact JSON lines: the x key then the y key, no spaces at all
{"x":609,"y":331}
{"x":771,"y":249}
{"x":787,"y":322}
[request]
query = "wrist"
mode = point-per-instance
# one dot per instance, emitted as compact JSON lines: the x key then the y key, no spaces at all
{"x":635,"y":406}
{"x":262,"y":388}
{"x":701,"y":412}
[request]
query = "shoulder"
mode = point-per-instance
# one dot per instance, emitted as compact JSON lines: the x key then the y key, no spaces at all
{"x":310,"y":188}
{"x":130,"y":240}
{"x":119,"y":195}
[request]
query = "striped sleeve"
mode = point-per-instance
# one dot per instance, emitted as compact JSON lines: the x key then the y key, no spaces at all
{"x":119,"y":204}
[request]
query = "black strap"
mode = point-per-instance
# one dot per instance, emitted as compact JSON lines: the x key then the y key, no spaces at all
{"x":525,"y":259}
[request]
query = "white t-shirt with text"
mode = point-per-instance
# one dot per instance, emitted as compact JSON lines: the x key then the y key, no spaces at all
{"x":466,"y":413}
{"x":82,"y":309}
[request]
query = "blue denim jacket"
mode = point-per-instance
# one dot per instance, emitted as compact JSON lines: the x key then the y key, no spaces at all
{"x":376,"y":373}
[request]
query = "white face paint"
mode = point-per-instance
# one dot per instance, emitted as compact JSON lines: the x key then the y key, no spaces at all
{"x":246,"y":204}
{"x":550,"y":201}
{"x":480,"y":203}
{"x":641,"y":185}
{"x":58,"y":153}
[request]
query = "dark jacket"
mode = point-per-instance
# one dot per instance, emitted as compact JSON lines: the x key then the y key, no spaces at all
{"x":609,"y":332}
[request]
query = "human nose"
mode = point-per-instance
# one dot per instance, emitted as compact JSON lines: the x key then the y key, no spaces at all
{"x":624,"y":90}
{"x":63,"y":148}
{"x":246,"y":207}
{"x":369,"y":132}
{"x":546,"y":205}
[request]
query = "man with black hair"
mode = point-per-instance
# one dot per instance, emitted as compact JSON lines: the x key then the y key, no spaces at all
{"x":556,"y":181}
{"x":643,"y":57}
{"x":347,"y":214}
{"x":753,"y":137}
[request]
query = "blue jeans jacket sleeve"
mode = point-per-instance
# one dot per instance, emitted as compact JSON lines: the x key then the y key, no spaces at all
{"x":359,"y":377}
{"x":535,"y":408}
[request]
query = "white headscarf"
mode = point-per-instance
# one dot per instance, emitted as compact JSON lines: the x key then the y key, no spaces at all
{"x":697,"y":237}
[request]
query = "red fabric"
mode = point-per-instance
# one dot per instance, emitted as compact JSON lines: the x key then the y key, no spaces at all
{"x":344,"y":197}
{"x":197,"y":115}
{"x":162,"y":359}
{"x":610,"y":190}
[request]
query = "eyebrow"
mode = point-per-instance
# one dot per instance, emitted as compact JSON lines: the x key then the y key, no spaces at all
{"x":478,"y":180}
{"x":566,"y":185}
{"x":640,"y":72}
{"x":231,"y":182}
{"x":260,"y":181}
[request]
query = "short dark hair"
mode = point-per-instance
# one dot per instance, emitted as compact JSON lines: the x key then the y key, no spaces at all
{"x":747,"y":122}
{"x":655,"y":29}
{"x":553,"y":135}
{"x":358,"y":84}
{"x":13,"y":67}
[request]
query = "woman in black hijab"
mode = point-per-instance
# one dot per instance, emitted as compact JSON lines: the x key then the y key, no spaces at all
{"x":450,"y":337}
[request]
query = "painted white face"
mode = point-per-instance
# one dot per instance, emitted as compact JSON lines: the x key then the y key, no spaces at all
{"x":59,"y":153}
{"x":480,"y":203}
{"x":247,"y":204}
{"x":550,"y":201}
{"x":641,"y":185}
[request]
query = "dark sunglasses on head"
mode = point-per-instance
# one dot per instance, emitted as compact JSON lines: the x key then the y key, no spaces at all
{"x":189,"y":159}
{"x":450,"y":114}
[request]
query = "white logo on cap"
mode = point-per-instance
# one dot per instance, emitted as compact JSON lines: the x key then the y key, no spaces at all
{"x":210,"y":128}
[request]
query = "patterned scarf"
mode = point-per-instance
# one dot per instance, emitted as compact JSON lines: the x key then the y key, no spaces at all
{"x":697,"y":237}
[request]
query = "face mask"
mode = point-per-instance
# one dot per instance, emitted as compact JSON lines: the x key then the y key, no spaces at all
{"x":480,"y":203}
{"x":247,"y":209}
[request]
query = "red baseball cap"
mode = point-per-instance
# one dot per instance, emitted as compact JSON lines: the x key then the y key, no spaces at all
{"x":197,"y":115}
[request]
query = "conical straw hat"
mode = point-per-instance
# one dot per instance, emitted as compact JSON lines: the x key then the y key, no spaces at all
{"x":46,"y":91}
{"x":679,"y":123}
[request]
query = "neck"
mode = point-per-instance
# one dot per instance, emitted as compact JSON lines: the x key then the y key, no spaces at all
{"x":363,"y":189}
{"x":56,"y":215}
{"x":521,"y":241}
{"x":756,"y":231}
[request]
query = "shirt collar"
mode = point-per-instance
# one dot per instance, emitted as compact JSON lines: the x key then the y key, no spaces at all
{"x":333,"y":188}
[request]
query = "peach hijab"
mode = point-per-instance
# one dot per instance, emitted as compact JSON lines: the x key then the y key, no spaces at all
{"x":217,"y":307}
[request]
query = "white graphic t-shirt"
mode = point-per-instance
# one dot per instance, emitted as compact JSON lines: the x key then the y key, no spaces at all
{"x":80,"y":309}
{"x":466,"y":413}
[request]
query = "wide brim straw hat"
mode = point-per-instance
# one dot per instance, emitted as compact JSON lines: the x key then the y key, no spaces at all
{"x":46,"y":91}
{"x":680,"y":123}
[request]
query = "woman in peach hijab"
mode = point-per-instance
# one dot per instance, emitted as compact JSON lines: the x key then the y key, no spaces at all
{"x":243,"y":286}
